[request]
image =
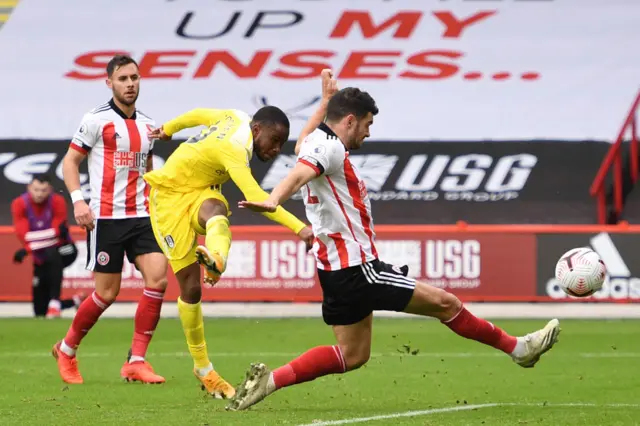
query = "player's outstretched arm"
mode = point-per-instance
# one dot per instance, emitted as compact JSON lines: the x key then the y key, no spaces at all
{"x":329,"y":88}
{"x":253,"y":193}
{"x":194,"y":118}
{"x":296,"y":179}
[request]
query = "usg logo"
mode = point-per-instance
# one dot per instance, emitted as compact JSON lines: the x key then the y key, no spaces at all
{"x":471,"y":177}
{"x":453,"y":263}
{"x":619,"y":283}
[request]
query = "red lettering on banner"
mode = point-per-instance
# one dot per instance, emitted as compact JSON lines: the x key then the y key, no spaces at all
{"x":297,"y":60}
{"x":454,"y":26}
{"x":250,"y":70}
{"x":426,"y":60}
{"x":405,"y":22}
{"x":151,"y":61}
{"x":367,"y":64}
{"x":358,"y":60}
{"x":94,"y":61}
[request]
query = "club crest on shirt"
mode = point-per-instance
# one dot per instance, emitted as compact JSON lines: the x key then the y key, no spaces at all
{"x":320,"y":150}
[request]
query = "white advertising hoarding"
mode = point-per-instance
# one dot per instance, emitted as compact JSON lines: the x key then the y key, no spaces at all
{"x":439,"y":70}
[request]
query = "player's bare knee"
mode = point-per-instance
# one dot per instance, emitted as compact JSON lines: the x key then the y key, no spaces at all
{"x":355,"y":357}
{"x":108,"y":293}
{"x":209,"y":209}
{"x":450,"y":305}
{"x":158,"y":284}
{"x":107,"y":286}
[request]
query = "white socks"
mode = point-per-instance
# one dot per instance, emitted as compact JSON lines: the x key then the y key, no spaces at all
{"x":67,"y":350}
{"x":520,"y":349}
{"x":271,"y":384}
{"x":204,"y":371}
{"x":55,"y":304}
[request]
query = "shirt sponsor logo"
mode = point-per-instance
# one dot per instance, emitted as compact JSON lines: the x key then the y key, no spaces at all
{"x":129,"y":160}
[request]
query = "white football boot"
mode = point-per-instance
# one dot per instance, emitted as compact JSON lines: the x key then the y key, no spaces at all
{"x":537,"y":343}
{"x":253,"y":389}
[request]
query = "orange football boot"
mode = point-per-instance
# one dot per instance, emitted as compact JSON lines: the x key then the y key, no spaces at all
{"x":215,"y":385}
{"x":67,"y":366}
{"x":140,"y":371}
{"x":213,"y":264}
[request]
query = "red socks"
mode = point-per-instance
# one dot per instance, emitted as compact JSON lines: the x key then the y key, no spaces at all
{"x":146,"y":320}
{"x":88,"y":313}
{"x":314,"y":363}
{"x":468,"y":325}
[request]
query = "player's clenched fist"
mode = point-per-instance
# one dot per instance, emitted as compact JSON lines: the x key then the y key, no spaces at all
{"x":83,"y":215}
{"x":329,"y":84}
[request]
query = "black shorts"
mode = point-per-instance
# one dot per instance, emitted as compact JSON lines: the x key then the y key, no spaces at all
{"x":351,"y":294}
{"x":111,"y":239}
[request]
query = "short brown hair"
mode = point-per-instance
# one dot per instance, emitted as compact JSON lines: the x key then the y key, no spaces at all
{"x":119,"y":61}
{"x":350,"y":100}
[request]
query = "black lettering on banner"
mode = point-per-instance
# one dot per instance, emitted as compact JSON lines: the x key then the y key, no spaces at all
{"x":182,"y":26}
{"x":261,"y":20}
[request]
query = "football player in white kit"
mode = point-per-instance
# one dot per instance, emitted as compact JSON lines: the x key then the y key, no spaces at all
{"x":114,"y":138}
{"x":355,"y":283}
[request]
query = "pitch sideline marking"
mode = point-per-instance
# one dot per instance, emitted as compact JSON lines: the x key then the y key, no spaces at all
{"x":458,"y":408}
{"x":398,"y":415}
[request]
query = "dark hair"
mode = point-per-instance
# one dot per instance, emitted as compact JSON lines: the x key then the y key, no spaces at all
{"x":119,"y":61}
{"x":350,"y":100}
{"x":41,"y":177}
{"x":271,"y":115}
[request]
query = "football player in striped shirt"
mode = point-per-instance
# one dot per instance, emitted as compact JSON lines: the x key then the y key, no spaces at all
{"x":114,"y":138}
{"x":355,"y":282}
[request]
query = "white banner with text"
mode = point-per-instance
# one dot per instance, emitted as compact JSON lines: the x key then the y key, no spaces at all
{"x":439,"y":70}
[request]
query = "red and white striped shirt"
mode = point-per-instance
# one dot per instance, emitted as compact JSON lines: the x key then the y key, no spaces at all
{"x":337,"y":204}
{"x":118,"y":148}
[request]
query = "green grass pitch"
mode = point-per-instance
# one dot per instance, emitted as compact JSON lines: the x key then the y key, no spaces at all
{"x":591,"y":377}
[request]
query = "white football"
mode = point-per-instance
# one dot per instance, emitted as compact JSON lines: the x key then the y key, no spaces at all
{"x":580,"y":272}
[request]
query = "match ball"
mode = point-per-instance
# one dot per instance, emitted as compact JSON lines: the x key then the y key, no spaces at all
{"x":580,"y":272}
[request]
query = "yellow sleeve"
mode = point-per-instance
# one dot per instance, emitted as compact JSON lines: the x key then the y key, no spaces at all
{"x":237,"y":165}
{"x":194,"y":118}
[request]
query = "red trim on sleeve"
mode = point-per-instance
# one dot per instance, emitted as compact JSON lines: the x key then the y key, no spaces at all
{"x":77,"y":148}
{"x":313,"y":166}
